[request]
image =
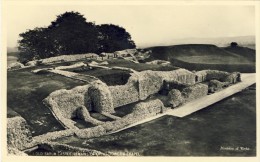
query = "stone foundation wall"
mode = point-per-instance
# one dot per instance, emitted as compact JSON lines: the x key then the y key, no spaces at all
{"x":149,"y":83}
{"x":68,"y":101}
{"x":182,"y":76}
{"x":125,"y":94}
{"x":64,"y":104}
{"x":195,"y":91}
{"x":141,"y":111}
{"x":233,"y":78}
{"x":215,"y":85}
{"x":207,"y":75}
{"x":175,"y":98}
{"x":67,"y":58}
{"x":18,"y":133}
{"x":101,"y":98}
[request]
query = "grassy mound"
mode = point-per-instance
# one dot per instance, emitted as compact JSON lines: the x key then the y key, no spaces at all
{"x":203,"y":56}
{"x":249,"y":53}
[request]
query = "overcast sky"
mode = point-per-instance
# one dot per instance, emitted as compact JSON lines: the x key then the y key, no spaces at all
{"x":146,"y":24}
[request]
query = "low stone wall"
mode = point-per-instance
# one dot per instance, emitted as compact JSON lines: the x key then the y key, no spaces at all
{"x":233,"y":78}
{"x":201,"y":76}
{"x":64,"y":104}
{"x":83,"y":113}
{"x":125,"y":94}
{"x":182,"y":76}
{"x":215,"y":85}
{"x":18,"y":133}
{"x":140,"y":111}
{"x":101,"y":98}
{"x":159,"y":62}
{"x":195,"y":91}
{"x":15,"y":65}
{"x":150,"y":82}
{"x":207,"y":75}
{"x":67,"y":58}
{"x":175,"y":98}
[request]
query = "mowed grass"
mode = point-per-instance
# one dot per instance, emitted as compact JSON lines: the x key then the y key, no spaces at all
{"x":214,"y":59}
{"x":25,"y":92}
{"x":140,"y":66}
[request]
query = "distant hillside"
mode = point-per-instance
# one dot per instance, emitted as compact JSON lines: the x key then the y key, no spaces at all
{"x":203,"y":56}
{"x":12,"y":49}
{"x":243,"y":51}
{"x":246,"y":41}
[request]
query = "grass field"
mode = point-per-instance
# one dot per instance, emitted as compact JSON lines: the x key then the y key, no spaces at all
{"x":213,"y":60}
{"x":201,"y":56}
{"x":25,"y":92}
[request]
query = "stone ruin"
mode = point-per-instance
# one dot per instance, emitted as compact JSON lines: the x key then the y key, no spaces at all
{"x":177,"y":86}
{"x":18,"y":135}
{"x":180,"y":85}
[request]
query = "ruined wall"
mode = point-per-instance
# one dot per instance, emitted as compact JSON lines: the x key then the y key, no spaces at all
{"x":175,"y":98}
{"x":207,"y":75}
{"x":141,"y":111}
{"x":233,"y":78}
{"x":195,"y":91}
{"x":69,"y":100}
{"x":18,"y":133}
{"x":64,"y":104}
{"x":182,"y":76}
{"x":201,"y":76}
{"x":125,"y":94}
{"x":101,"y":98}
{"x":149,"y":83}
{"x":215,"y":85}
{"x":67,"y":58}
{"x":222,"y":76}
{"x":15,"y":65}
{"x":97,"y":96}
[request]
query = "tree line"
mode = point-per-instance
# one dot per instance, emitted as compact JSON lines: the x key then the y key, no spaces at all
{"x":70,"y":33}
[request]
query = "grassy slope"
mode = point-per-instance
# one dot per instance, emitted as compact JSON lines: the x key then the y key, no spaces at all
{"x":243,"y":51}
{"x":202,"y":56}
{"x":25,"y":92}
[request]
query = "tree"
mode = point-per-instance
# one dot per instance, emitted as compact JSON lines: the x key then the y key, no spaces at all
{"x":113,"y":38}
{"x":73,"y":35}
{"x":35,"y":45}
{"x":233,"y":44}
{"x":70,"y":33}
